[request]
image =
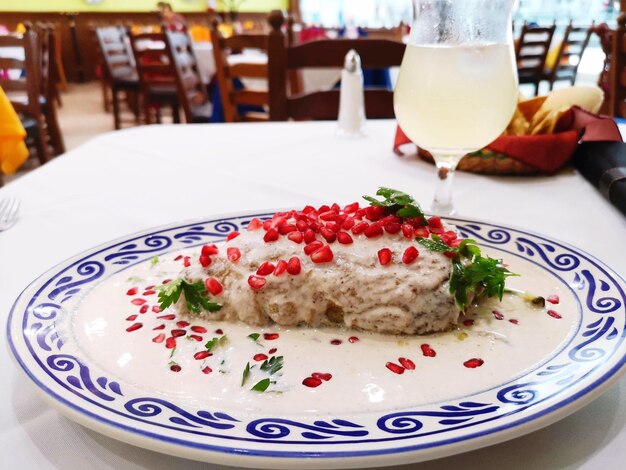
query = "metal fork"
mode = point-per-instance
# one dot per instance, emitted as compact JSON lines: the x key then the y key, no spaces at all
{"x":8,"y":212}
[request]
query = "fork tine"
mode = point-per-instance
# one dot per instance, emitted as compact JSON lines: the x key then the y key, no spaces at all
{"x":12,"y":212}
{"x":4,"y":203}
{"x":8,"y":214}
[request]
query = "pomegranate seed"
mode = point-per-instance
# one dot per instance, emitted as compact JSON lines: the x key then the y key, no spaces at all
{"x":328,"y":216}
{"x":170,"y":316}
{"x":335,"y":342}
{"x":311,"y":382}
{"x":325,"y":376}
{"x":286,"y":228}
{"x":308,"y":209}
{"x":351,"y":208}
{"x":272,"y":351}
{"x":144,"y":308}
{"x":277,"y":221}
{"x":166,"y":281}
{"x":255,"y":224}
{"x":473,"y":363}
{"x":202,"y":355}
{"x":138,"y":301}
{"x":395,"y":368}
{"x":436,"y":231}
{"x":315,"y":226}
{"x":329,"y":235}
{"x":281,"y":267}
{"x":309,"y":236}
{"x":497,"y":315}
{"x":384,"y":256}
{"x":213,"y":286}
{"x":175,"y":368}
{"x":232,"y":235}
{"x":219,"y":331}
{"x":302,"y":225}
{"x":134,"y":326}
{"x":205,"y":261}
{"x":335,"y":207}
{"x":267,"y":225}
{"x":353,"y":339}
{"x":348,"y":223}
{"x":514,"y":321}
{"x":428,"y":351}
{"x":344,"y":238}
{"x":270,"y":336}
{"x":408,"y":364}
{"x":407,"y":230}
{"x":131,"y":291}
{"x":178,"y":258}
{"x":553,"y":314}
{"x":293,"y":266}
{"x":149,"y":292}
{"x":209,"y":250}
{"x":334,"y":226}
{"x":186,"y":261}
{"x":468,"y":322}
{"x":392,"y":228}
{"x":170,"y":343}
{"x":158,"y":338}
{"x":421,"y":232}
{"x":323,"y":255}
{"x":360,"y":228}
{"x":198,"y":329}
{"x":260,"y":357}
{"x":456,"y":243}
{"x":160,"y":327}
{"x":435,"y":222}
{"x":374,"y":213}
{"x":410,"y":255}
{"x":373,"y":231}
{"x":271,"y":235}
{"x":131,"y":318}
{"x":207,"y":370}
{"x":296,"y":237}
{"x":178,"y":333}
{"x":266,"y":269}
{"x":312,"y":247}
{"x":256,"y":282}
{"x":233,"y":253}
{"x":198,"y":338}
{"x":182,"y":324}
{"x":323,"y":208}
{"x":553,"y":299}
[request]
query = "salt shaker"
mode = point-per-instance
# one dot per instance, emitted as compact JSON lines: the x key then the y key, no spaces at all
{"x":351,"y":100}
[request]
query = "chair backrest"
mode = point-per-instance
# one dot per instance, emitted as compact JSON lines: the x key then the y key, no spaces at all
{"x":117,"y":55}
{"x":325,"y":53}
{"x":152,"y":60}
{"x":26,"y":84}
{"x":617,"y":70}
{"x":532,"y":49}
{"x":571,"y":49}
{"x":231,"y":65}
{"x":46,"y":36}
{"x":191,"y":90}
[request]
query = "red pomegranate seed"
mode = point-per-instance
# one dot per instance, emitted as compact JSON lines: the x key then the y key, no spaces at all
{"x":267,"y":224}
{"x":335,"y":342}
{"x":408,"y":364}
{"x":323,"y":255}
{"x":468,"y":322}
{"x":392,"y":228}
{"x":209,"y":250}
{"x":308,"y":209}
{"x":473,"y":363}
{"x":256,"y":282}
{"x":296,"y":237}
{"x":428,"y":351}
{"x":281,"y":267}
{"x":144,"y":308}
{"x":255,"y":224}
{"x":315,"y":226}
{"x":272,"y":351}
{"x":166,"y":281}
{"x":497,"y":315}
{"x":323,"y":208}
{"x":360,"y":228}
{"x":286,"y":228}
{"x":233,"y":253}
{"x":213,"y":286}
{"x":175,"y":368}
{"x":131,"y":318}
{"x":373,"y":231}
{"x":348,"y":223}
{"x":395,"y":368}
{"x":178,"y":333}
{"x":131,"y":291}
{"x":407,"y":230}
{"x":202,"y":355}
{"x":178,"y":258}
{"x":553,"y":299}
{"x":334,"y":226}
{"x":384,"y":256}
{"x":312,"y":247}
{"x":553,"y":314}
{"x":293,"y":266}
{"x":232,"y":235}
{"x":160,"y":327}
{"x":170,"y":316}
{"x":158,"y":338}
{"x":138,"y":301}
{"x":198,"y":329}
{"x":271,"y":235}
{"x":170,"y":343}
{"x":328,"y":235}
{"x":309,"y":236}
{"x":328,"y":216}
{"x":421,"y":232}
{"x":410,"y":255}
{"x":344,"y":238}
{"x":311,"y":382}
{"x":266,"y":269}
{"x":196,"y":337}
{"x":207,"y":370}
{"x":270,"y":336}
{"x":260,"y":357}
{"x":302,"y":225}
{"x":351,"y":208}
{"x":353,"y":339}
{"x":186,"y":261}
{"x":514,"y":321}
{"x":435,"y":222}
{"x":335,"y":207}
{"x":134,"y":326}
{"x":182,"y":324}
{"x":374,"y":213}
{"x":205,"y":261}
{"x":219,"y":331}
{"x":325,"y":376}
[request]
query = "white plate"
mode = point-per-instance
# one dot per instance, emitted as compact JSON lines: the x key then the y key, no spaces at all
{"x":67,"y":332}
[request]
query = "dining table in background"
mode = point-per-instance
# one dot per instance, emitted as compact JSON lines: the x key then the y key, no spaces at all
{"x":134,"y":179}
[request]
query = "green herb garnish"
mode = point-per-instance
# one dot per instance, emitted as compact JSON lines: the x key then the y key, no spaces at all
{"x":195,"y":296}
{"x":397,"y":202}
{"x":215,"y":342}
{"x":254,"y":336}
{"x":154,"y":261}
{"x":246,"y":374}
{"x":261,"y":385}
{"x":272,"y":365}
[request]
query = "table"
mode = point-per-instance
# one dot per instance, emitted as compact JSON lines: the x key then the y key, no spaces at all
{"x":130,"y":180}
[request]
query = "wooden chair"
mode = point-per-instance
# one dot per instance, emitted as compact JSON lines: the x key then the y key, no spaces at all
{"x":157,"y":74}
{"x":228,"y":72}
{"x":192,"y":93}
{"x":119,"y":73}
{"x":570,"y":52}
{"x":617,"y":70}
{"x":282,"y":59}
{"x":531,"y":51}
{"x":24,"y":92}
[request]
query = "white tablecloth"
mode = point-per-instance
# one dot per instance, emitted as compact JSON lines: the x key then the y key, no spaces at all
{"x":138,"y":178}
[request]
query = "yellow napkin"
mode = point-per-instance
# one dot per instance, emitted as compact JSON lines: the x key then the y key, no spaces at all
{"x":13,"y":151}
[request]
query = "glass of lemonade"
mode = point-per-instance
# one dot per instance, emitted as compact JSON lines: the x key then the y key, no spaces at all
{"x":457,"y":88}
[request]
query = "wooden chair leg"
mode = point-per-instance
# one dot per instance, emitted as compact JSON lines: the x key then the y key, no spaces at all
{"x":537,"y":88}
{"x":175,"y":113}
{"x":41,"y":141}
{"x":106,"y":101}
{"x":115,"y":100}
{"x":56,"y":137}
{"x":147,"y":111}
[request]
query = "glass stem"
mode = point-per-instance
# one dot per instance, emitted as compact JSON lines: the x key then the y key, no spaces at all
{"x":446,"y":166}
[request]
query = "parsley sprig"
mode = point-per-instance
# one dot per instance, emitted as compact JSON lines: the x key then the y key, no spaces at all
{"x":271,"y":366}
{"x":195,"y":296}
{"x":397,"y":202}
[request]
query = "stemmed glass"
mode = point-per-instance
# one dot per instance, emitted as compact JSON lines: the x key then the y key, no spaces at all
{"x":457,"y":88}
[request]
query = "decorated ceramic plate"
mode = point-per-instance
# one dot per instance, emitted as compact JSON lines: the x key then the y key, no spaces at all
{"x":91,"y":335}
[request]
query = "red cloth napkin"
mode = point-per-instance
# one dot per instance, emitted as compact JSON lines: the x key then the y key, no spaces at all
{"x":548,"y":152}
